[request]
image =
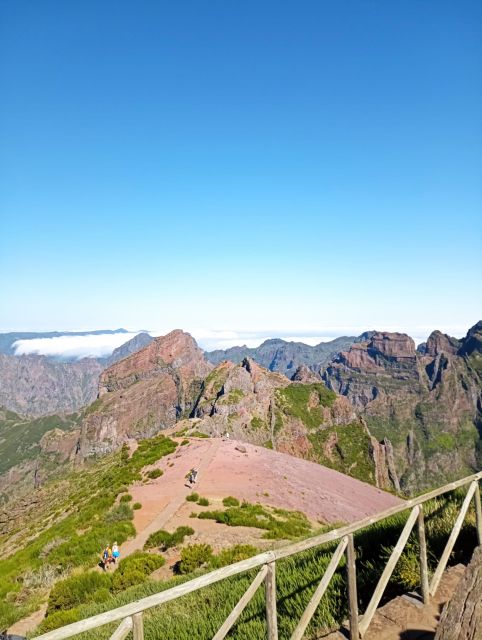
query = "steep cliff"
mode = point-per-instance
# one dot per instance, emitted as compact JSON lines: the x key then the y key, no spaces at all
{"x":426,"y":403}
{"x":144,"y":393}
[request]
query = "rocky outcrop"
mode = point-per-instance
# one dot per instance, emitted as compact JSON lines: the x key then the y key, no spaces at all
{"x":426,"y":403}
{"x":285,"y":357}
{"x":300,"y":417}
{"x":144,"y":393}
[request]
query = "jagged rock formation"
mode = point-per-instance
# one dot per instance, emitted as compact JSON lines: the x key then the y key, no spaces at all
{"x":40,"y":385}
{"x":427,"y":403}
{"x":286,"y":357}
{"x":461,"y":619}
{"x":136,"y":343}
{"x":144,"y":393}
{"x":302,"y":418}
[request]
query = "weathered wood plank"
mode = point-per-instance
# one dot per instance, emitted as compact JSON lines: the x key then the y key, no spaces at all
{"x":138,"y":626}
{"x":352,"y":589}
{"x":387,"y":572}
{"x":452,"y":539}
{"x":320,"y":590}
{"x":271,"y":611}
{"x":241,"y":605}
{"x":424,"y":578}
{"x":122,"y":630}
{"x":478,"y":514}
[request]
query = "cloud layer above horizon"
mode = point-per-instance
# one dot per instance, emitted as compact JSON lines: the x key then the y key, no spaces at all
{"x":73,"y":347}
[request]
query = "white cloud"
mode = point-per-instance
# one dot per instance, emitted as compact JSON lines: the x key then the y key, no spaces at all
{"x":73,"y":347}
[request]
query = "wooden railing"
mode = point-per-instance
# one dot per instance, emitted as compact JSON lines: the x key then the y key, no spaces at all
{"x":131,"y":615}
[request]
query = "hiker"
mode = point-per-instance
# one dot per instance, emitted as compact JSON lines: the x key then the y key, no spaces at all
{"x":115,"y":552}
{"x":191,"y":476}
{"x":104,"y":558}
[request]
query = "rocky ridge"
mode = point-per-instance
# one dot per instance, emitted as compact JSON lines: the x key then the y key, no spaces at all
{"x":285,"y":357}
{"x":426,"y":403}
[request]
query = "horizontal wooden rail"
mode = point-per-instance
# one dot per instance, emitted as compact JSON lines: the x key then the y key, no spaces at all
{"x":266,"y":558}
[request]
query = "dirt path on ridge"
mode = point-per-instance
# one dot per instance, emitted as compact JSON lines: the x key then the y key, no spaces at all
{"x":173,"y":495}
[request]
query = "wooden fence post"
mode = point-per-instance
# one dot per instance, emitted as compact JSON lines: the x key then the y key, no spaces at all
{"x":424,"y":585}
{"x":478,"y":514}
{"x":271,"y":613}
{"x":352,"y":590}
{"x":138,"y":627}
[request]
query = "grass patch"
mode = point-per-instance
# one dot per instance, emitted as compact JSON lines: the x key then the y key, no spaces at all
{"x":278,"y":523}
{"x":192,"y":497}
{"x":230,"y":501}
{"x":306,"y":402}
{"x":154,"y":473}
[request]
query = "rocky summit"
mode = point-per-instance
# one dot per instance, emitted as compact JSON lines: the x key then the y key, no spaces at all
{"x":423,"y":404}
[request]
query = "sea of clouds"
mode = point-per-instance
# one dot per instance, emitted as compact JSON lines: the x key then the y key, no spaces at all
{"x":73,"y":347}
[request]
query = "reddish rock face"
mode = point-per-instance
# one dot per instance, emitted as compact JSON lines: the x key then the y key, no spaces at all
{"x":144,"y":393}
{"x":438,"y":343}
{"x":177,"y":349}
{"x":393,"y":345}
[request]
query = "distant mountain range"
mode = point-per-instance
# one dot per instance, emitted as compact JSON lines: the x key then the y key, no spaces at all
{"x":286,"y":357}
{"x":41,"y":385}
{"x":381,"y":410}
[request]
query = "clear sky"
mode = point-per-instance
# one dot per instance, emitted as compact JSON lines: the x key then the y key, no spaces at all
{"x":243,"y":168}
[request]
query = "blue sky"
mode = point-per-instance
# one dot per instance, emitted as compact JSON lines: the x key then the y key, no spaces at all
{"x":255,"y":168}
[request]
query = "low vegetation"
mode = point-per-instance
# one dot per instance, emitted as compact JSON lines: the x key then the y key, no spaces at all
{"x":306,"y":402}
{"x":165,"y":540}
{"x":84,"y":518}
{"x":278,"y":523}
{"x":297,"y":578}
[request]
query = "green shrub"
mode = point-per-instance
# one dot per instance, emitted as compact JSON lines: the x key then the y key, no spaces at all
{"x":155,"y":473}
{"x":194,"y":556}
{"x":136,"y":506}
{"x":204,"y":502}
{"x":135,"y":569}
{"x":59,"y":619}
{"x":198,"y":434}
{"x":126,"y":498}
{"x":192,"y":497}
{"x":122,"y":511}
{"x":184,"y":442}
{"x":278,"y":523}
{"x":231,"y":502}
{"x":165,"y":540}
{"x":76,"y":590}
{"x":233,"y":554}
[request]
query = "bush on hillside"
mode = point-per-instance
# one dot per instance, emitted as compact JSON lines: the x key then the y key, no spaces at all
{"x":230,"y":501}
{"x":165,"y":540}
{"x":203,"y":502}
{"x":192,"y":497}
{"x":78,"y":589}
{"x":233,"y":554}
{"x":121,"y":512}
{"x":194,"y":556}
{"x":136,"y":506}
{"x":135,"y":569}
{"x":154,"y":473}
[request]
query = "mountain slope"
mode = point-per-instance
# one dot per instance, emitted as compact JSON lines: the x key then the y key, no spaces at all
{"x":39,"y":385}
